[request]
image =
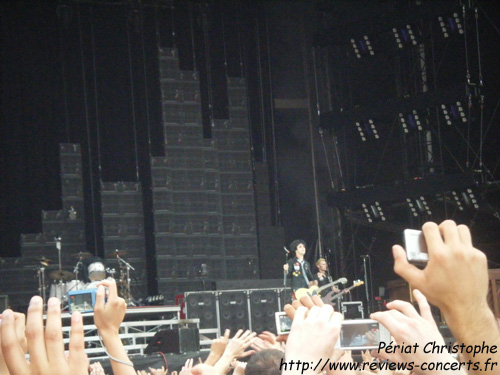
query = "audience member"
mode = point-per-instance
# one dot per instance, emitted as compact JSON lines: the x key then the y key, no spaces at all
{"x":217,"y":348}
{"x":19,"y":327}
{"x":408,"y":327}
{"x":312,"y":337}
{"x":455,"y":279}
{"x":265,"y":362}
{"x":45,"y":346}
{"x":108,"y":316}
{"x":236,"y":348}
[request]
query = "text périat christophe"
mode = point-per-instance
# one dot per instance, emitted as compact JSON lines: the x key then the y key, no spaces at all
{"x":433,"y":347}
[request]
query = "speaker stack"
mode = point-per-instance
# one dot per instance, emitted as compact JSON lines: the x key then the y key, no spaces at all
{"x":263,"y":305}
{"x":233,"y":310}
{"x":204,"y":306}
{"x":237,"y":309}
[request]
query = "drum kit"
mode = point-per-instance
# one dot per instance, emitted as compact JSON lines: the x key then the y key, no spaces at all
{"x":88,"y":268}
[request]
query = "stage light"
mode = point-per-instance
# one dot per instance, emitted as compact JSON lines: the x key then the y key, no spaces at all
{"x":355,"y":48}
{"x":454,"y":113}
{"x":404,"y":125}
{"x":411,"y":34}
{"x":412,"y":207}
{"x":362,"y":47}
{"x":379,"y":210}
{"x":446,"y":114}
{"x":451,"y":24}
{"x":404,"y":36}
{"x":368,"y":45}
{"x":367,"y":213}
{"x":397,"y":37}
{"x":458,"y":23}
{"x":373,"y":129}
{"x":461,"y":112}
{"x":423,"y":205}
{"x":414,"y":120}
{"x":457,"y":200}
{"x":470,"y":199}
{"x":411,"y":121}
{"x":443,"y":27}
{"x":360,"y":131}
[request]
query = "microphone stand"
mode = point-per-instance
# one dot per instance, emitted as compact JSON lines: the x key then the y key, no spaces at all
{"x":368,"y":284}
{"x":285,"y":273}
{"x":128,"y":267}
{"x":58,"y":246}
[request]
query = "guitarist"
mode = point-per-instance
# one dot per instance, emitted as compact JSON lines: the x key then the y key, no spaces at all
{"x":299,"y":269}
{"x":322,"y":277}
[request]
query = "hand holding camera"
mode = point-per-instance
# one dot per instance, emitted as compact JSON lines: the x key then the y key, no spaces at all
{"x":108,"y":315}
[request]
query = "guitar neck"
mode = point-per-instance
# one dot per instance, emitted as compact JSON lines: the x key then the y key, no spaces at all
{"x":346,"y":291}
{"x":329,"y":285}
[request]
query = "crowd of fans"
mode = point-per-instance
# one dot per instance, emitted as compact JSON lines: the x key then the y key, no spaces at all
{"x":455,"y":280}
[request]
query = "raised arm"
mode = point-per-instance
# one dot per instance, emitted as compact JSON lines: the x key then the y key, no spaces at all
{"x":107,"y":317}
{"x":456,"y":280}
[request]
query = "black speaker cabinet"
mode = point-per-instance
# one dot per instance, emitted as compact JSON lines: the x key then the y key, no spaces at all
{"x":202,"y":305}
{"x":180,"y":340}
{"x":263,"y":304}
{"x":233,"y":311}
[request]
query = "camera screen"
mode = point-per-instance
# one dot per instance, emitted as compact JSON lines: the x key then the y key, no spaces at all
{"x":81,"y":302}
{"x":360,"y":335}
{"x":285,"y":324}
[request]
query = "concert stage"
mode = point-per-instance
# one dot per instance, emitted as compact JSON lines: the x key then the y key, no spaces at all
{"x":140,"y":324}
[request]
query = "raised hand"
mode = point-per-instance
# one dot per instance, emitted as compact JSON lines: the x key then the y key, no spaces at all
{"x":303,"y":343}
{"x":45,"y":346}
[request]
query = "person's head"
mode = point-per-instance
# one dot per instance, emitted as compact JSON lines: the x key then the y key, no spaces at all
{"x":321,"y":264}
{"x":299,"y":247}
{"x":265,"y":362}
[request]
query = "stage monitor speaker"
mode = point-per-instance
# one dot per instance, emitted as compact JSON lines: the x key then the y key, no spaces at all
{"x":202,"y":305}
{"x":233,"y":311}
{"x":263,"y":304}
{"x":180,"y":340}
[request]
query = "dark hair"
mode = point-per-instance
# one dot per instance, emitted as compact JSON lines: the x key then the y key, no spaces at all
{"x":265,"y":362}
{"x":294,"y":244}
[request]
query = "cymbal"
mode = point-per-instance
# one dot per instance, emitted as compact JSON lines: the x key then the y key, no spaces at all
{"x":117,"y":253}
{"x":61,"y":275}
{"x":81,"y":254}
{"x":43,"y":260}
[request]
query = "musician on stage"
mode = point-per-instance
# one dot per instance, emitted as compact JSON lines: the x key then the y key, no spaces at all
{"x":322,"y":277}
{"x":299,"y":269}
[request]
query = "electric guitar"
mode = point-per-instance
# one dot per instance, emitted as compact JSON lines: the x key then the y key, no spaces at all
{"x":311,"y":291}
{"x":332,"y":296}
